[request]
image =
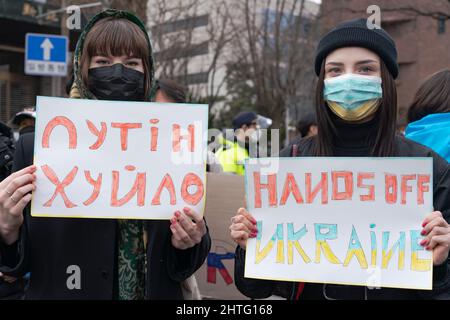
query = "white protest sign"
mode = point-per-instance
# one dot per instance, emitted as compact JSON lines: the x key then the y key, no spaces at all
{"x":118,"y":159}
{"x":353,"y":221}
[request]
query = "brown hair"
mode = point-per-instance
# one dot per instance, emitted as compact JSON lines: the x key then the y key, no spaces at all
{"x":433,"y":96}
{"x":386,"y":118}
{"x":116,"y":37}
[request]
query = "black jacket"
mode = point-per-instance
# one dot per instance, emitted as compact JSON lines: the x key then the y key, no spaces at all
{"x":255,"y":288}
{"x":6,"y":150}
{"x":48,"y":246}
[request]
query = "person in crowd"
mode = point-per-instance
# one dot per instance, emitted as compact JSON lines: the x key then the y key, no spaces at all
{"x":170,"y":91}
{"x":429,"y":114}
{"x":356,"y":110}
{"x":10,"y":288}
{"x":113,"y":61}
{"x":232,"y":154}
{"x":24,"y":121}
{"x":307,"y":126}
{"x":6,"y":150}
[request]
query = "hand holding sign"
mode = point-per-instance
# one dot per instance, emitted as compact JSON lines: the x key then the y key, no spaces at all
{"x":15,"y":193}
{"x":187,"y":228}
{"x":243,"y":227}
{"x":437,"y":232}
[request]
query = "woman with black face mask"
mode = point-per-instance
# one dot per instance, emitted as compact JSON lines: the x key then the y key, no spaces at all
{"x":356,"y":108}
{"x":113,"y":61}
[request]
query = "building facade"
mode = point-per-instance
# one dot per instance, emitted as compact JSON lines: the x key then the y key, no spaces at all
{"x":194,"y":42}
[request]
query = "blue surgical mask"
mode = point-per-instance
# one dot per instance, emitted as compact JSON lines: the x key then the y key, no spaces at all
{"x":351,"y":91}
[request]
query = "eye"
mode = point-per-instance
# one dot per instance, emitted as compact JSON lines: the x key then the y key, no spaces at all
{"x":333,"y":71}
{"x":102,"y":61}
{"x":366,"y":69}
{"x":133,"y":62}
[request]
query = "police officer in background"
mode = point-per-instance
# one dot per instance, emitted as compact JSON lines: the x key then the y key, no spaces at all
{"x":232,"y":154}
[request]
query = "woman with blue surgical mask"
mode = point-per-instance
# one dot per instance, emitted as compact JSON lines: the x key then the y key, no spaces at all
{"x":356,"y":108}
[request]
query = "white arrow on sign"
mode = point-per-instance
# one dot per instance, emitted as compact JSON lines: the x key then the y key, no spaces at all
{"x":47,"y":46}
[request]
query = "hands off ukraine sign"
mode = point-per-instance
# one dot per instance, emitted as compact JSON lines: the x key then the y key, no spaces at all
{"x":354,"y":221}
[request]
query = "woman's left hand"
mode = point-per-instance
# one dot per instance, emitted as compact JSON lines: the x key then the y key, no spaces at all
{"x":187,"y":228}
{"x":8,"y":279}
{"x":436,"y":231}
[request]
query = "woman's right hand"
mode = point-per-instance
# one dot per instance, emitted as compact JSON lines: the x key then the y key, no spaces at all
{"x":15,"y":193}
{"x":243,"y":226}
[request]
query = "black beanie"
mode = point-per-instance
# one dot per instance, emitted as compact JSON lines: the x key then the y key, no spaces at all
{"x":354,"y":33}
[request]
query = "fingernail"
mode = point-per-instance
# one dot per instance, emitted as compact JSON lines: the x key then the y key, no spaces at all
{"x":423,"y":242}
{"x":186,"y":209}
{"x":423,"y":232}
{"x":252,"y":235}
{"x":424,"y":224}
{"x":177,"y":214}
{"x":428,"y":248}
{"x":254,"y":230}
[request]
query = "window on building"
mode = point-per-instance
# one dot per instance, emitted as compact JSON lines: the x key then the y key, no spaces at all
{"x":182,"y":24}
{"x":189,"y":51}
{"x":193,"y":78}
{"x":441,"y":24}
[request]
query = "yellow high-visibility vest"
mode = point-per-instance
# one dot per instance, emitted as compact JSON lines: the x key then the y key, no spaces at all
{"x":231,"y":156}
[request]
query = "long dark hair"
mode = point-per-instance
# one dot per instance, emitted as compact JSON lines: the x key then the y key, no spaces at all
{"x":386,"y":118}
{"x":433,"y":96}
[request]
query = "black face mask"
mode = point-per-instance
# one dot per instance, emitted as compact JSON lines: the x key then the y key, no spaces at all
{"x":116,"y":82}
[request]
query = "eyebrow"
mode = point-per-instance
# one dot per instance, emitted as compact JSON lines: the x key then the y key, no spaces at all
{"x":357,"y":63}
{"x":107,"y":56}
{"x":335,"y":63}
{"x":366,"y":61}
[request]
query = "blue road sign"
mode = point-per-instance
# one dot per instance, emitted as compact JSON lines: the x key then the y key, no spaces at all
{"x":46,"y":54}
